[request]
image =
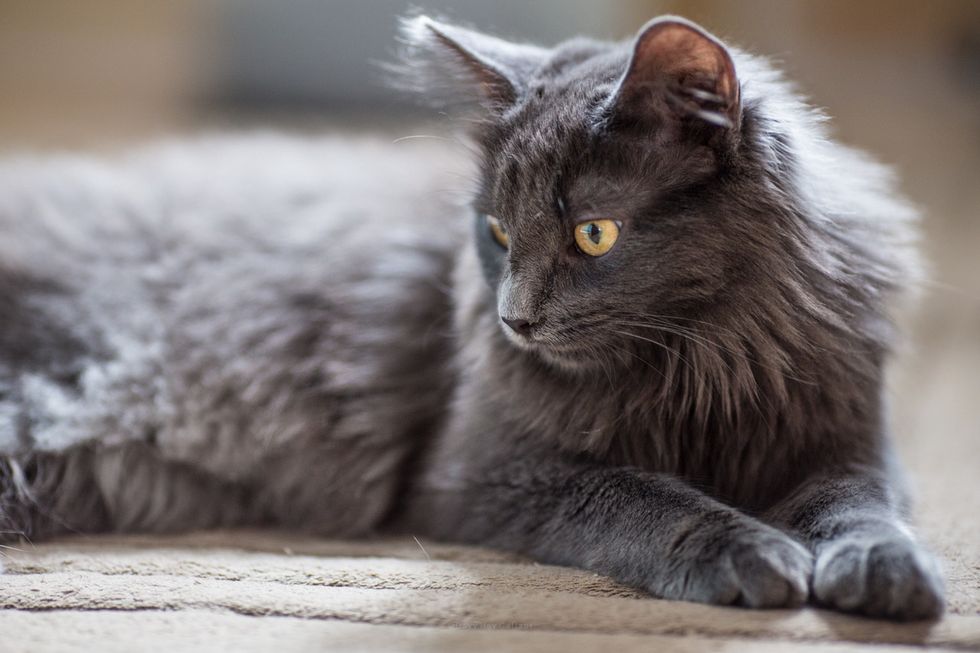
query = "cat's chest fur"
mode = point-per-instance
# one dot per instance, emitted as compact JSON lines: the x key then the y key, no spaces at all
{"x":509,"y":399}
{"x":604,"y":420}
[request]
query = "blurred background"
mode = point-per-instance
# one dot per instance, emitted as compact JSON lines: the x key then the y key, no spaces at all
{"x":901,"y":79}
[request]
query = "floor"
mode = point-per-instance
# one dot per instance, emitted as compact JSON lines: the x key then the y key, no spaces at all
{"x":259,"y":591}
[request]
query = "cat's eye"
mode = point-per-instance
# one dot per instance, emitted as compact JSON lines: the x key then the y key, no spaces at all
{"x":596,"y":237}
{"x":498,"y":232}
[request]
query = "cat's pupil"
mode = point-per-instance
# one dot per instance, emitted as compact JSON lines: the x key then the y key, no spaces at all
{"x":594,"y":233}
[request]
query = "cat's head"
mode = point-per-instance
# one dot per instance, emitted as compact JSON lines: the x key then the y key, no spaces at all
{"x":610,"y":179}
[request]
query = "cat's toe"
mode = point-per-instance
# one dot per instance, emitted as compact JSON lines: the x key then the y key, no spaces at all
{"x":890,"y":578}
{"x":772,"y":572}
{"x":754,"y":566}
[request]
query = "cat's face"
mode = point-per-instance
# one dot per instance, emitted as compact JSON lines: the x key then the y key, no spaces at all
{"x":597,"y":216}
{"x":595,"y":238}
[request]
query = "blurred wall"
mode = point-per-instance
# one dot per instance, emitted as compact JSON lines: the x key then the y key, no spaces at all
{"x":80,"y":73}
{"x":324,"y":55}
{"x":87,"y":72}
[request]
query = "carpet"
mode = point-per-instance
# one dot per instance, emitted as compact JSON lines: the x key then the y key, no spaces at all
{"x":257,"y":591}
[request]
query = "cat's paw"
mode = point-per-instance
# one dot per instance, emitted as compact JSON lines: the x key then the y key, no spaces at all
{"x":888,"y":577}
{"x":754,"y":566}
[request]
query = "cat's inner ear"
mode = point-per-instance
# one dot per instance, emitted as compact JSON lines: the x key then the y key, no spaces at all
{"x":446,"y":59}
{"x":678,"y":66}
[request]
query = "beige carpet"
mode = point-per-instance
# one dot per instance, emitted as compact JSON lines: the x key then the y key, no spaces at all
{"x":262,"y":592}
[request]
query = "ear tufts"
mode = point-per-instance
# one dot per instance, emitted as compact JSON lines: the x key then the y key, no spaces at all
{"x":495,"y":84}
{"x":676,"y":62}
{"x":455,"y":65}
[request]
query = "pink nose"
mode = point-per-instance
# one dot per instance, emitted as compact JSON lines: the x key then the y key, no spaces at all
{"x":518,"y":326}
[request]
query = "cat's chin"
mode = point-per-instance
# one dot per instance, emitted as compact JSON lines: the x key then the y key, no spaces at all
{"x":572,"y":360}
{"x":566,"y":361}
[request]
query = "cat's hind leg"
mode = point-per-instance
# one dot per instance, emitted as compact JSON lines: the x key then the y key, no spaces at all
{"x":122,"y":488}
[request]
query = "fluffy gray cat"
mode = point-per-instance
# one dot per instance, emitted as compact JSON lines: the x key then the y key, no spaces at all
{"x":651,"y":344}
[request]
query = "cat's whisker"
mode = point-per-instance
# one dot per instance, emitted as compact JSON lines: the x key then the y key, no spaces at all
{"x":704,"y":341}
{"x":413,"y":137}
{"x":716,"y":327}
{"x":709,"y":344}
{"x":689,"y":335}
{"x":663,"y":346}
{"x":597,"y":354}
{"x":935,"y":284}
{"x":678,"y":330}
{"x":762,"y":415}
{"x":639,"y":358}
{"x":705,"y":344}
{"x":661,"y":317}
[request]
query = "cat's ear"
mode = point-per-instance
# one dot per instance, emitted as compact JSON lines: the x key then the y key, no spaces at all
{"x":677,"y":66}
{"x":453,"y":65}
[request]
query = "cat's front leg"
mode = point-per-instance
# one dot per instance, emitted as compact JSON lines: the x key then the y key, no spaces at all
{"x":647,"y":530}
{"x":867,"y":560}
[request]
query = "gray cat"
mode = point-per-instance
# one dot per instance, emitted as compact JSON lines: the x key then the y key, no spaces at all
{"x":651,"y":344}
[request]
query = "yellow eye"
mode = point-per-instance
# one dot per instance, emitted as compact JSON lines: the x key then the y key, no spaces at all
{"x":596,"y":237}
{"x":498,"y":232}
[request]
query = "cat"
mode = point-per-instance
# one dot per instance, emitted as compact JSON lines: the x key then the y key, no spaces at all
{"x":650,"y":345}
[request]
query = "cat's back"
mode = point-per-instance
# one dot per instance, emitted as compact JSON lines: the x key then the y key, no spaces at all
{"x":226,"y":299}
{"x":215,"y":194}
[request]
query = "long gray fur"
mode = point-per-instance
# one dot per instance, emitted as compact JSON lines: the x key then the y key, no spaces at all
{"x":263,"y":331}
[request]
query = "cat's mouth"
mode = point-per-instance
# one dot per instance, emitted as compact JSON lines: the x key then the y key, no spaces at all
{"x":552,"y":350}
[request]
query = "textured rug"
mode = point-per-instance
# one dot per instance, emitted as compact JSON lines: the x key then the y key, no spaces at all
{"x":246,"y":591}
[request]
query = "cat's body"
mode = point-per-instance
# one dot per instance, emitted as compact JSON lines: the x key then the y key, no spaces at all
{"x":250,"y":310}
{"x":314,"y":337}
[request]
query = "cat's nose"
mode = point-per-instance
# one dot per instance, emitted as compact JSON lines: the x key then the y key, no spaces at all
{"x":519,"y":326}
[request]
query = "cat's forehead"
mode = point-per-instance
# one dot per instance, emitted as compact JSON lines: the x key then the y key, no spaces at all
{"x":551,"y":152}
{"x":531,"y":158}
{"x":558,"y":162}
{"x":564,"y":167}
{"x":538,"y":150}
{"x":560,"y":105}
{"x":581,"y":63}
